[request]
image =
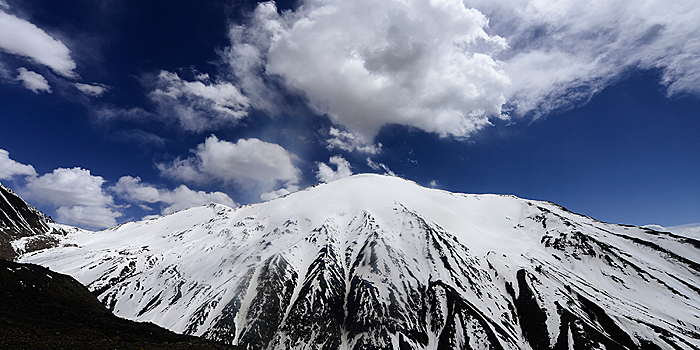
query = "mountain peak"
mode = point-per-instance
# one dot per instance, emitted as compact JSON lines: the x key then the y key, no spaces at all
{"x":378,"y":262}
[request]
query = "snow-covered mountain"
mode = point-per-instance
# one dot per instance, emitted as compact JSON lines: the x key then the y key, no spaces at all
{"x":24,"y":228}
{"x":688,"y":230}
{"x":376,"y":262}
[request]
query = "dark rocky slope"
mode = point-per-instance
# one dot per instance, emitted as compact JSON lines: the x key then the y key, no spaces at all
{"x":42,"y":309}
{"x":21,"y":220}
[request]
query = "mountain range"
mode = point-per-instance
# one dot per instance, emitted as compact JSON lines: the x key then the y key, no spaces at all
{"x":378,"y":262}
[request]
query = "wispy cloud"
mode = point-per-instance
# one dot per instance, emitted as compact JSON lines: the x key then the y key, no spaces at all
{"x":563,"y":52}
{"x":4,"y":72}
{"x":198,"y":105}
{"x":194,"y":106}
{"x":350,"y":142}
{"x":140,"y":137}
{"x":22,"y":38}
{"x":109,"y":113}
{"x":94,"y":90}
{"x":379,"y":167}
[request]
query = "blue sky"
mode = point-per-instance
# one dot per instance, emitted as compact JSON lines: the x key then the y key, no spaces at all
{"x":117,"y":110}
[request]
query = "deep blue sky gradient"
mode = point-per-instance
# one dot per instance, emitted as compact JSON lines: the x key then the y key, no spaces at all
{"x":629,"y":155}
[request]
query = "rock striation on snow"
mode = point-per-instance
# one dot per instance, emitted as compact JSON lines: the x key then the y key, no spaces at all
{"x":377,"y":262}
{"x":24,"y":228}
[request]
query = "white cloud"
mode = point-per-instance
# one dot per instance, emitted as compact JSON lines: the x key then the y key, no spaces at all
{"x":33,"y":81}
{"x":447,"y":66}
{"x":350,"y":142}
{"x":79,"y":196}
{"x":379,"y":167}
{"x":22,"y":38}
{"x":198,"y":105}
{"x":4,"y":4}
{"x":133,"y":190}
{"x":69,"y":187}
{"x":368,"y":63}
{"x":279,"y":193}
{"x":10,"y":168}
{"x":183,"y":197}
{"x":247,"y":57}
{"x":247,"y":163}
{"x":94,"y":90}
{"x":342,"y":169}
{"x":563,"y":52}
{"x":88,"y":216}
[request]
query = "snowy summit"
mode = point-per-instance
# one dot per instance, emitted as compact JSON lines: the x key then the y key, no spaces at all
{"x":378,"y":262}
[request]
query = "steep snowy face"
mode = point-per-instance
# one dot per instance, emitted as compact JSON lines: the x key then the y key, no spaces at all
{"x":24,"y":228}
{"x":375,"y":262}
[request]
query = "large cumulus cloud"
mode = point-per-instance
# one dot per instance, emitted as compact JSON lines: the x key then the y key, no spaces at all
{"x":255,"y":165}
{"x":78,"y":195}
{"x":447,"y":66}
{"x":366,"y":63}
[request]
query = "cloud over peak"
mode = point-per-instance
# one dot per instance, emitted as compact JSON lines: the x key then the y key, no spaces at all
{"x":342,"y":169}
{"x":134,"y":191}
{"x":248,"y":163}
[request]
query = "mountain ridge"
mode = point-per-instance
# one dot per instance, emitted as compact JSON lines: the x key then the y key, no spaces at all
{"x":45,"y":309}
{"x":375,"y":262}
{"x":24,"y":228}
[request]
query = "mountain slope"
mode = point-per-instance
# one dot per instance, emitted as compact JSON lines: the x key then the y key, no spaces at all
{"x":24,"y":228}
{"x":375,"y":262}
{"x":42,"y":309}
